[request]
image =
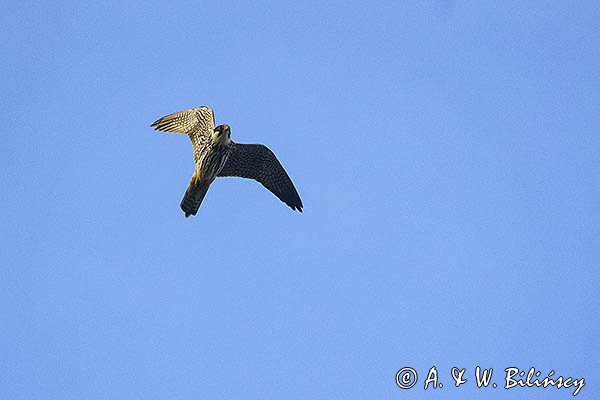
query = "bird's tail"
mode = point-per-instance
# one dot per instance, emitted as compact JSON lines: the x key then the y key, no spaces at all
{"x":193,"y":196}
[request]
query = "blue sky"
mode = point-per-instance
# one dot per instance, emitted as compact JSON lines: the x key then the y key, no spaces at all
{"x":446,"y":154}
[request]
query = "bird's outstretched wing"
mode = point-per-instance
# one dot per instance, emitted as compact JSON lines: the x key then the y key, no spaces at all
{"x":257,"y":162}
{"x":198,"y":123}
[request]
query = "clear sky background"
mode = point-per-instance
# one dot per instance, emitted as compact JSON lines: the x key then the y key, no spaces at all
{"x":447,"y":154}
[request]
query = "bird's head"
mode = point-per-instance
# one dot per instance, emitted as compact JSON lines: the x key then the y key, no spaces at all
{"x":222,"y":134}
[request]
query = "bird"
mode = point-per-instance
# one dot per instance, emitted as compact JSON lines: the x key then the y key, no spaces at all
{"x":216,"y":155}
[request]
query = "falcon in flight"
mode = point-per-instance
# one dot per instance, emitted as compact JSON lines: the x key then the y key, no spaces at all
{"x":217,"y":155}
